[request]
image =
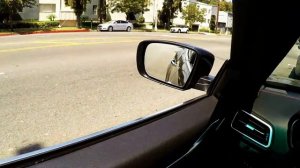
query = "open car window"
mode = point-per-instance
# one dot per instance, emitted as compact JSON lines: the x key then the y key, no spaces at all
{"x":287,"y":73}
{"x":64,"y":77}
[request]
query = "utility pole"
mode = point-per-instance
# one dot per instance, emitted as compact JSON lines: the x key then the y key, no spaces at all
{"x":155,"y":15}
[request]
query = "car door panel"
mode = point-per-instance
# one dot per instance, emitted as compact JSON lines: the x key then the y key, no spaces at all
{"x":118,"y":25}
{"x":115,"y":25}
{"x":124,"y":25}
{"x":159,"y":139}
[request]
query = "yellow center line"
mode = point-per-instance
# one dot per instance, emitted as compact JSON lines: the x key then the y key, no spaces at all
{"x":85,"y":39}
{"x":31,"y":48}
{"x":67,"y":40}
{"x":64,"y":45}
{"x":99,"y":38}
{"x":56,"y":42}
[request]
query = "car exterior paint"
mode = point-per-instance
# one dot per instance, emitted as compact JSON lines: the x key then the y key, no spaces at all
{"x":115,"y":25}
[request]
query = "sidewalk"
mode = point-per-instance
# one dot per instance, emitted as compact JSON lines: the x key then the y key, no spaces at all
{"x":29,"y":31}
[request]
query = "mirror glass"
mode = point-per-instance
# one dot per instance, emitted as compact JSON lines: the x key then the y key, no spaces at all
{"x":169,"y":63}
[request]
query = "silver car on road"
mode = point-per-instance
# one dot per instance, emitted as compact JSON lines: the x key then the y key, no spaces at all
{"x":179,"y":29}
{"x":115,"y":25}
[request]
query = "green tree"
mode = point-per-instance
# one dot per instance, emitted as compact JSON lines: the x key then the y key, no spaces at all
{"x":214,"y":2}
{"x":225,"y":6}
{"x":212,"y":23}
{"x":129,"y":7}
{"x":84,"y":18}
{"x":211,"y":2}
{"x":168,"y":12}
{"x":141,"y":19}
{"x":205,"y":1}
{"x":192,"y":14}
{"x":79,"y":6}
{"x":9,"y":8}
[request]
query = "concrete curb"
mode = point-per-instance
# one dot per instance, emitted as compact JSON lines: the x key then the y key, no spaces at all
{"x":7,"y":34}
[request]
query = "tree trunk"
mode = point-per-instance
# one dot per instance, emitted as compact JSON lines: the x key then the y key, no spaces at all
{"x":101,"y":10}
{"x":10,"y":20}
{"x":101,"y":18}
{"x":78,"y":23}
{"x":169,"y":18}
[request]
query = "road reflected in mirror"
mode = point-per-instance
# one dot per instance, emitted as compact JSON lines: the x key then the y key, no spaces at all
{"x":169,"y":63}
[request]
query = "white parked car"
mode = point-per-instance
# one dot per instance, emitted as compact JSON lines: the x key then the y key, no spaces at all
{"x":115,"y":25}
{"x":179,"y":29}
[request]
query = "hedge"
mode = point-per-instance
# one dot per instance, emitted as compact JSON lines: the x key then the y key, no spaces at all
{"x":87,"y":24}
{"x":139,"y":25}
{"x":39,"y":25}
{"x":204,"y":30}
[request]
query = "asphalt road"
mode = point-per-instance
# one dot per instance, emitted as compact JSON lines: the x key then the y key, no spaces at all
{"x":57,"y":87}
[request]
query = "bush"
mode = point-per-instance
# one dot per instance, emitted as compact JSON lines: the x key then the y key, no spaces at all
{"x":45,"y":25}
{"x":87,"y":24}
{"x":139,"y":25}
{"x":24,"y":25}
{"x":141,"y":19}
{"x":204,"y":29}
{"x":51,"y":17}
{"x":84,"y":18}
{"x":53,"y":24}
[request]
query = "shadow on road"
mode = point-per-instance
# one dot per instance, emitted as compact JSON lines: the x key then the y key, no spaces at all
{"x":29,"y":148}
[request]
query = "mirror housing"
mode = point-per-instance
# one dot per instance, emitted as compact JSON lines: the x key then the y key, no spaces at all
{"x":201,"y":66}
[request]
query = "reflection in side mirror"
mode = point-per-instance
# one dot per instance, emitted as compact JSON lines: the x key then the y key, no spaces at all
{"x":174,"y":64}
{"x":169,"y":63}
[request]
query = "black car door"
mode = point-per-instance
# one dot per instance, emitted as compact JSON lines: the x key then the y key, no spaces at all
{"x":157,"y":140}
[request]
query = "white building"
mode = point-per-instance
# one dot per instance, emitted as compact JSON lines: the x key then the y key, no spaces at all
{"x":67,"y":17}
{"x":209,"y":11}
{"x":56,"y":7}
{"x":62,"y":12}
{"x":225,"y":19}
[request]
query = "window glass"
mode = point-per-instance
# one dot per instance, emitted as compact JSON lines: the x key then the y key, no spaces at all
{"x":47,"y":8}
{"x":95,"y":9}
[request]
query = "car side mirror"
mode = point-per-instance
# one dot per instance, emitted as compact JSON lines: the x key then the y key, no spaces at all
{"x":173,"y":64}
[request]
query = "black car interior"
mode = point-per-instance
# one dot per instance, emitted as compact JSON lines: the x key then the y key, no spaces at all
{"x":241,"y":122}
